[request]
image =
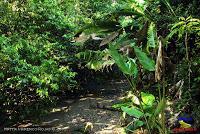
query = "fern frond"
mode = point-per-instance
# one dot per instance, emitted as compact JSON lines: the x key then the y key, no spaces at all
{"x":100,"y":61}
{"x":86,"y":55}
{"x":189,"y":25}
{"x":178,"y":24}
{"x":171,"y":34}
{"x":181,"y":31}
{"x":94,"y":64}
{"x":151,"y":36}
{"x":193,"y":26}
{"x":194,"y":20}
{"x":99,"y":27}
{"x":108,"y":64}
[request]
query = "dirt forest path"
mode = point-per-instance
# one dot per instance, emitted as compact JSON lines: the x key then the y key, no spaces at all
{"x":71,"y":116}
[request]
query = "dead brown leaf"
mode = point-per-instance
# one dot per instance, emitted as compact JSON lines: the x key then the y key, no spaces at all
{"x":159,"y":63}
{"x":109,"y":38}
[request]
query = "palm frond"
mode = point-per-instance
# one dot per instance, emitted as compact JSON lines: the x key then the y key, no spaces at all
{"x":100,"y":61}
{"x":98,"y":27}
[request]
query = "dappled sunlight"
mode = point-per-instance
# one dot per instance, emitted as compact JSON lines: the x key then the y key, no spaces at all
{"x":91,"y":108}
{"x":49,"y":122}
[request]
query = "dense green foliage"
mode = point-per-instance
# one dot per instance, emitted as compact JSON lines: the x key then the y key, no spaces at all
{"x":142,"y":25}
{"x":51,"y":47}
{"x":37,"y":59}
{"x":32,"y":47}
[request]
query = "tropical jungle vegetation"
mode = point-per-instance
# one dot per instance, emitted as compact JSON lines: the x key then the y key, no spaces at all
{"x":51,"y":49}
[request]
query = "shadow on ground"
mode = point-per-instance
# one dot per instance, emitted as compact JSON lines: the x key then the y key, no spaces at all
{"x":72,"y":116}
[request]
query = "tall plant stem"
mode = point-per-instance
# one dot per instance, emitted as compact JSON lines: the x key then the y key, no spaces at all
{"x":159,"y":91}
{"x":163,"y":86}
{"x":188,"y":61}
{"x":169,"y":7}
{"x":133,"y":86}
{"x":186,"y":46}
{"x":164,"y":83}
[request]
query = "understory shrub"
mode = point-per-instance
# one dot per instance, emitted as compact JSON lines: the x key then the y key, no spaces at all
{"x":30,"y":73}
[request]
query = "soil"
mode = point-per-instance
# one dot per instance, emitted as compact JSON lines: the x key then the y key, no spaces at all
{"x":91,"y":111}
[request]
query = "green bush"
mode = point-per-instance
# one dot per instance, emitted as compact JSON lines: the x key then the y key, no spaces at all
{"x":33,"y":45}
{"x":30,"y":71}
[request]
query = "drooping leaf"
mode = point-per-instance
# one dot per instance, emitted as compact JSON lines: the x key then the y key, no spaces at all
{"x":146,"y":62}
{"x":172,"y":33}
{"x":138,"y":123}
{"x":119,"y":60}
{"x":179,"y":24}
{"x":161,"y":106}
{"x":159,"y":63}
{"x":108,"y":63}
{"x":99,"y":27}
{"x":102,"y":27}
{"x":132,"y":112}
{"x":129,"y":67}
{"x":135,"y":100}
{"x":184,"y":25}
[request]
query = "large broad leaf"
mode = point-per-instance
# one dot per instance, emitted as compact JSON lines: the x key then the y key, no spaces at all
{"x":123,"y":104}
{"x":146,"y":62}
{"x":129,"y":68}
{"x":132,"y":112}
{"x":147,"y":99}
{"x":119,"y":60}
